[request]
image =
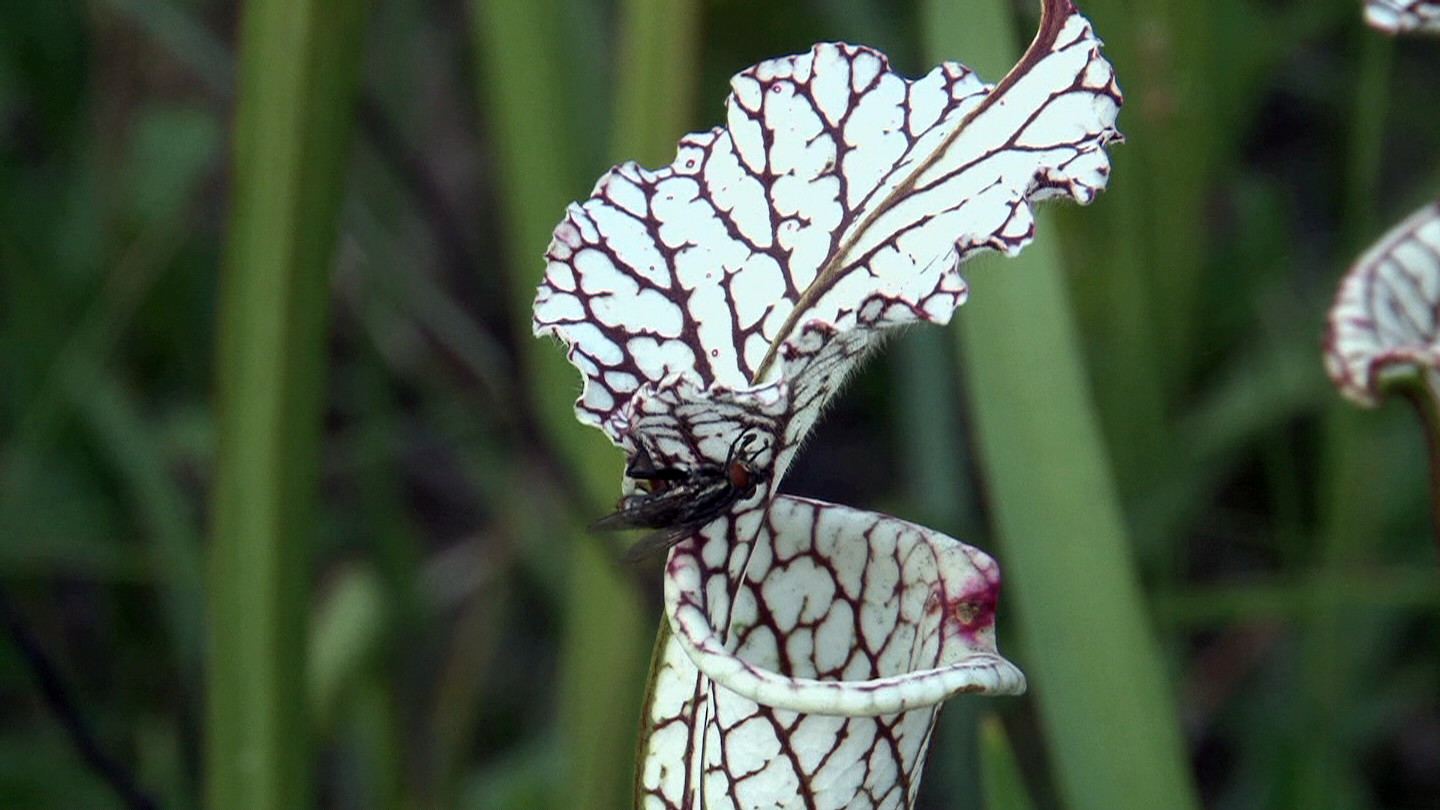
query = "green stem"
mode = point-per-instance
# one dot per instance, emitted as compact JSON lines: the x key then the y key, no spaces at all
{"x":1422,"y":398}
{"x":1367,"y":136}
{"x":298,"y":66}
{"x":1350,"y":499}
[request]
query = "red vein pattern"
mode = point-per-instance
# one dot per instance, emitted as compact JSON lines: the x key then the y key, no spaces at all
{"x":1385,"y":316}
{"x":731,"y":293}
{"x":836,"y":183}
{"x":873,"y":620}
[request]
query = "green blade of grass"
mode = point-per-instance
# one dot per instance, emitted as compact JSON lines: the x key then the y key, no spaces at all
{"x":1114,"y":293}
{"x":1166,"y":57}
{"x":534,"y":90}
{"x":298,"y":66}
{"x":1351,"y":500}
{"x":1003,"y":783}
{"x":656,"y":81}
{"x":932,"y":448}
{"x":1094,"y":667}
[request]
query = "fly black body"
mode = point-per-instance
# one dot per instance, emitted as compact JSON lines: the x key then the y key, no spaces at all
{"x":678,"y":500}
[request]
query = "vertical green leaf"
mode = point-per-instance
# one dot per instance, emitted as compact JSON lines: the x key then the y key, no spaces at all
{"x":1094,"y":666}
{"x":1351,"y":498}
{"x":657,"y":72}
{"x":1138,"y":257}
{"x":1165,"y":55}
{"x":531,"y":85}
{"x":932,"y":448}
{"x":1004,"y":785}
{"x":298,"y":66}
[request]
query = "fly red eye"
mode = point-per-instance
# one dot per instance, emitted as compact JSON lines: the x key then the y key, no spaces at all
{"x":740,"y":475}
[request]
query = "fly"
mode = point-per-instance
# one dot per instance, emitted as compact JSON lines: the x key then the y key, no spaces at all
{"x":676,"y":501}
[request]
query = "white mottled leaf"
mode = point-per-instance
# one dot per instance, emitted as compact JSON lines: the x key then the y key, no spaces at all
{"x":1384,"y":320}
{"x":726,"y":297}
{"x":1404,"y":16}
{"x":873,"y":622}
{"x":838,"y":188}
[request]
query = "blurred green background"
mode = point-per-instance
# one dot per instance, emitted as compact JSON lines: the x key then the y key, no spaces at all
{"x":465,"y":644}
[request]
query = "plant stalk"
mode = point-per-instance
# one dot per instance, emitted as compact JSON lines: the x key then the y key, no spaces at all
{"x":298,"y":66}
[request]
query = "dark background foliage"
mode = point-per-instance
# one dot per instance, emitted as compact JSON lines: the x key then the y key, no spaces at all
{"x":1282,"y":536}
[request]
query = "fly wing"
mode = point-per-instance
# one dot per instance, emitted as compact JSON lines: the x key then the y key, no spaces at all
{"x":619,"y":520}
{"x":639,"y":511}
{"x":649,"y":510}
{"x":656,"y":542}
